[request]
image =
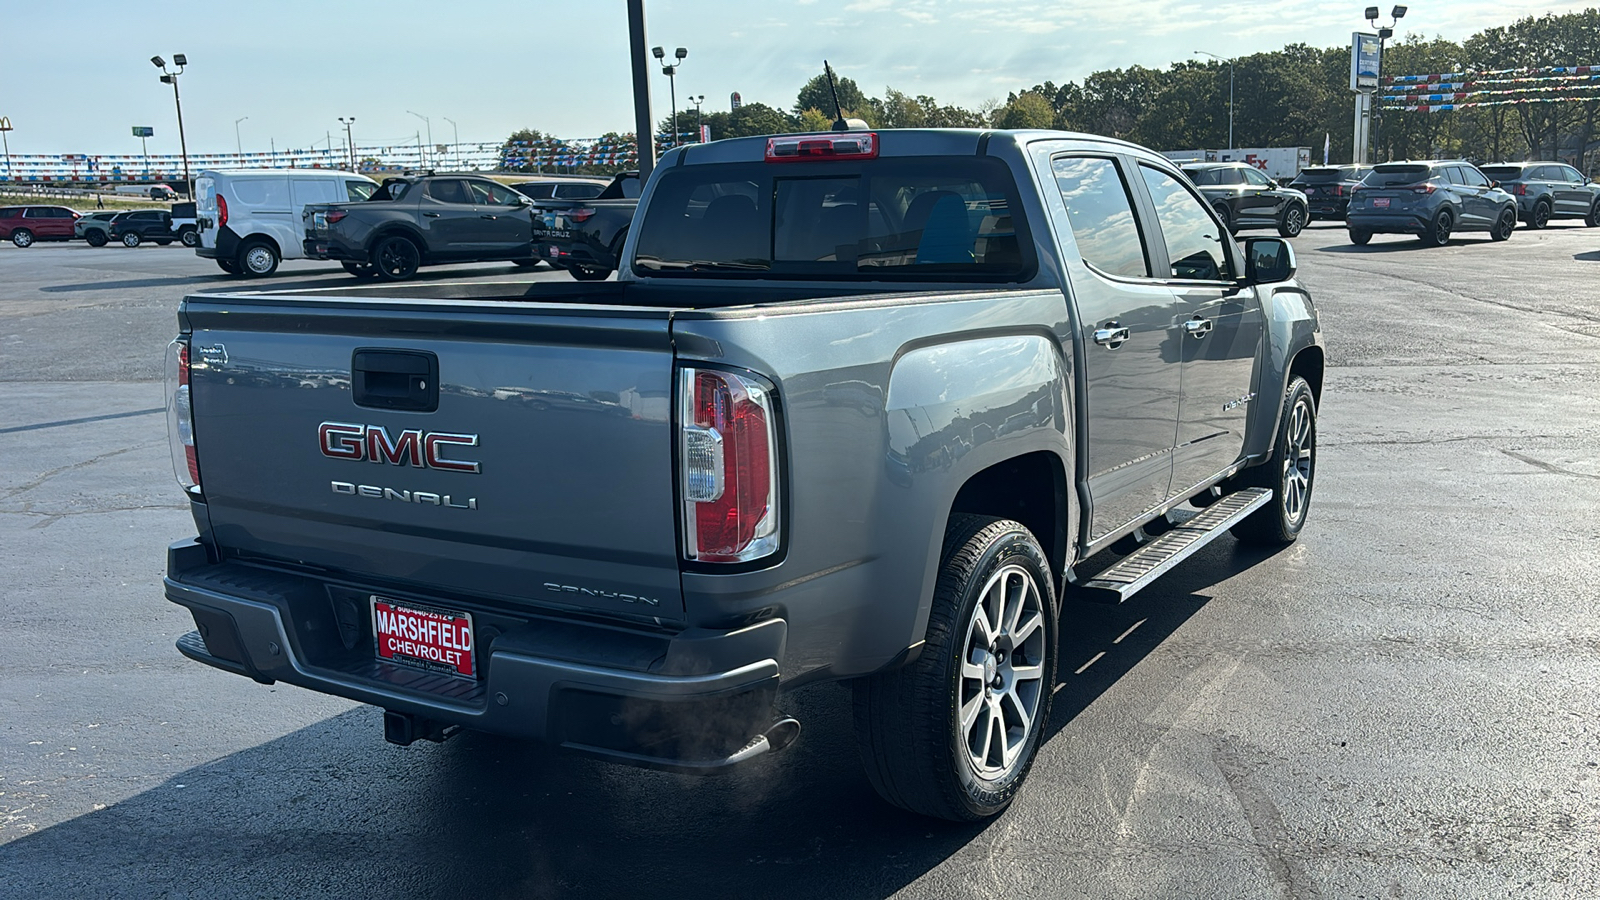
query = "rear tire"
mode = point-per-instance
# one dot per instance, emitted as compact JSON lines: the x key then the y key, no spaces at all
{"x":927,"y":730}
{"x":257,"y":259}
{"x":22,"y":237}
{"x":163,"y":242}
{"x":526,"y":263}
{"x":1540,"y":216}
{"x":1503,"y":226}
{"x":396,"y":258}
{"x":1361,"y":238}
{"x":96,"y":238}
{"x":589,"y":273}
{"x":360,"y":270}
{"x":131,"y":239}
{"x":1226,"y":215}
{"x":190,"y":237}
{"x":1438,"y":232}
{"x":1291,"y":473}
{"x":229,"y":266}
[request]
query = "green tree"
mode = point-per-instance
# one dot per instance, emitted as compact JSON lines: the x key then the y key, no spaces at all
{"x":815,"y":95}
{"x":1027,"y":110}
{"x":516,"y":154}
{"x":813,"y":120}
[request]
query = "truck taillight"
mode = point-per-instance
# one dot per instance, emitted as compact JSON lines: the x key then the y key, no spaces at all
{"x":580,"y":215}
{"x":180,"y":416}
{"x":222,"y":210}
{"x":335,"y":215}
{"x":729,"y":460}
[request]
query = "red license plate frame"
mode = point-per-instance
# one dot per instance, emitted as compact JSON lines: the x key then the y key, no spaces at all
{"x":422,"y":637}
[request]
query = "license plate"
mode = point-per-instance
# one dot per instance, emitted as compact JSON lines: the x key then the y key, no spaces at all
{"x":555,"y":252}
{"x":431,"y":639}
{"x":1380,"y":202}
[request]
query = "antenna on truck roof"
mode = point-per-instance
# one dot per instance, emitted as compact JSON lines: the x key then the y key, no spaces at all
{"x":840,"y":123}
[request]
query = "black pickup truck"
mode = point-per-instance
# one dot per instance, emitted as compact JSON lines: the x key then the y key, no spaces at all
{"x":585,"y":237}
{"x":412,"y":222}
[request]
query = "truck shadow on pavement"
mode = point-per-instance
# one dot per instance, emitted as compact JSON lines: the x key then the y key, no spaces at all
{"x":331,"y":810}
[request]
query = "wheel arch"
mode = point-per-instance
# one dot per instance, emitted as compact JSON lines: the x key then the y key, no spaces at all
{"x":397,"y":229}
{"x":1293,"y":347}
{"x":1030,"y":489}
{"x":265,"y":238}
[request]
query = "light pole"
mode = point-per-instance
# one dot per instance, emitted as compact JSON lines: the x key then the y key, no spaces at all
{"x":426,"y":121}
{"x":1229,"y":61}
{"x":457,"y":145}
{"x":350,"y":139}
{"x":181,"y":61}
{"x":699,"y":129}
{"x":5,"y":140}
{"x":237,"y":144}
{"x":1395,"y":15}
{"x":672,"y":83}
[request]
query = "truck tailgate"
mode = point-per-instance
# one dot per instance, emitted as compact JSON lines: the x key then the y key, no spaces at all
{"x":535,"y":468}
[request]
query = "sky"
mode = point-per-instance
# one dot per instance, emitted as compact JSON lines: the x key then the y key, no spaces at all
{"x":74,"y":77}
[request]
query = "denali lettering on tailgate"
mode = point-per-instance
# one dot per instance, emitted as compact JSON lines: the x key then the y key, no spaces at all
{"x":415,"y":447}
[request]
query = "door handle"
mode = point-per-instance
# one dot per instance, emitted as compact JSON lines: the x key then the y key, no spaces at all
{"x":1113,"y":335}
{"x":431,"y":215}
{"x":1198,"y":326}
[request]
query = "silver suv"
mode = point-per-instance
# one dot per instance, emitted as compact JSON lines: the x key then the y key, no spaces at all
{"x":1432,"y":200}
{"x":1548,"y":190}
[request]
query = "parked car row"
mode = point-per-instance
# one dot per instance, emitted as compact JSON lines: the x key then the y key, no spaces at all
{"x":1432,"y":200}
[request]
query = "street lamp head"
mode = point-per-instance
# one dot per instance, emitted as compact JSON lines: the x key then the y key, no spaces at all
{"x":178,"y":59}
{"x":1399,"y":12}
{"x":1385,"y":33}
{"x":681,"y":52}
{"x":1372,"y":14}
{"x":658,"y":53}
{"x":166,"y":79}
{"x":158,"y":62}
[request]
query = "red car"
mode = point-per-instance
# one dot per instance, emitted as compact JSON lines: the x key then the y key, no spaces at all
{"x":26,"y":224}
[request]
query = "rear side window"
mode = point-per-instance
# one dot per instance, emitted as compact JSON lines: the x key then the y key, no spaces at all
{"x":578,"y":191}
{"x":900,"y":218}
{"x":10,"y":212}
{"x":359,"y":190}
{"x":538,"y":191}
{"x":267,"y":193}
{"x":448,"y":190}
{"x":1204,"y":177}
{"x":1101,"y":213}
{"x":1193,"y":237}
{"x":1393,"y":176}
{"x":1472,"y":177}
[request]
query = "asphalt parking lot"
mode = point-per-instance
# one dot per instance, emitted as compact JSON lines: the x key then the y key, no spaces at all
{"x":1403,"y":704}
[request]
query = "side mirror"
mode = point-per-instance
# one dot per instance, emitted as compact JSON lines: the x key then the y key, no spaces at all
{"x":1268,"y":261}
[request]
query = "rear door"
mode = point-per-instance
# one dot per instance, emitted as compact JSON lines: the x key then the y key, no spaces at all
{"x":505,"y":222}
{"x":1217,"y":331}
{"x":1260,"y":197}
{"x":448,"y":217}
{"x":1125,"y":313}
{"x":1479,"y":196}
{"x":525,"y":456}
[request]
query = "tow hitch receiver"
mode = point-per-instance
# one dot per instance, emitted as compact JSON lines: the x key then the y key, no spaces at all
{"x":405,"y":728}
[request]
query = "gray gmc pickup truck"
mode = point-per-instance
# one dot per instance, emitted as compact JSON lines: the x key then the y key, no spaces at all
{"x":860,"y":406}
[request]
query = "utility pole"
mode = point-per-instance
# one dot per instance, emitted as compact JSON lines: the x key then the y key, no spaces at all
{"x":457,"y":145}
{"x":167,"y":77}
{"x":1395,"y":15}
{"x":671,"y":70}
{"x":5,"y":140}
{"x":644,"y":130}
{"x":1229,"y":61}
{"x":350,"y":139}
{"x":237,"y":144}
{"x":699,"y":127}
{"x":428,"y":122}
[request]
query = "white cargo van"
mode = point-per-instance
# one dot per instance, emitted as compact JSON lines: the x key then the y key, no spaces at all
{"x":249,"y":219}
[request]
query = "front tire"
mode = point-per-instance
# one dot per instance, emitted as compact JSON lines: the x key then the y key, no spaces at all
{"x":1292,"y":222}
{"x":1593,"y":218}
{"x":953,"y":734}
{"x":1438,"y":232}
{"x":190,"y":237}
{"x":396,"y":258}
{"x":131,"y":239}
{"x":96,"y":238}
{"x":1503,"y":226}
{"x":1226,"y":215}
{"x":1290,"y":473}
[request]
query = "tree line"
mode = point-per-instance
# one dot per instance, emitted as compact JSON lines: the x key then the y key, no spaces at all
{"x":1293,"y":97}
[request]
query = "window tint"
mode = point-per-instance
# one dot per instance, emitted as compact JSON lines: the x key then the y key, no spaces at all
{"x":487,"y":193}
{"x":1471,"y":176}
{"x":901,"y":218}
{"x":1322,"y":176}
{"x":1101,"y":214}
{"x":10,"y":212}
{"x":1202,"y":177}
{"x":315,"y":190}
{"x":1192,"y":237}
{"x":538,"y":191}
{"x":448,"y":190}
{"x":359,"y":190}
{"x":1503,"y":173}
{"x":1254,"y":177}
{"x":1452,"y":174}
{"x":579,"y":191}
{"x":37,"y":212}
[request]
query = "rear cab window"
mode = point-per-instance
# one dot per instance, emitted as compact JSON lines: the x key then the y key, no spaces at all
{"x":894,"y":218}
{"x":359,"y":190}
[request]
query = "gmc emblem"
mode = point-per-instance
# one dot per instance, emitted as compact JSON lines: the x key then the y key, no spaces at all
{"x":414,"y":447}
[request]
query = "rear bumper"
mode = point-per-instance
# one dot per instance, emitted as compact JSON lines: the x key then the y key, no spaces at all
{"x":224,"y":243}
{"x":691,"y":702}
{"x":1329,"y":208}
{"x":325,"y":250}
{"x":1400,"y":223}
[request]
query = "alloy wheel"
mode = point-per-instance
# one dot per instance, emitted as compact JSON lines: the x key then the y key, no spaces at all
{"x":1298,"y":459}
{"x":1002,"y":673}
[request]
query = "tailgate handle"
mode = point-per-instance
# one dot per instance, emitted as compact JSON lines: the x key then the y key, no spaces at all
{"x":395,"y":379}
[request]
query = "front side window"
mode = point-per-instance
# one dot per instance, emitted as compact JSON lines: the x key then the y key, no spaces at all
{"x":448,"y":190}
{"x":486,"y":193}
{"x":899,"y":218}
{"x":1255,"y":178}
{"x":1193,"y":238}
{"x":1101,"y":214}
{"x":1571,"y":175}
{"x":1472,"y":177}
